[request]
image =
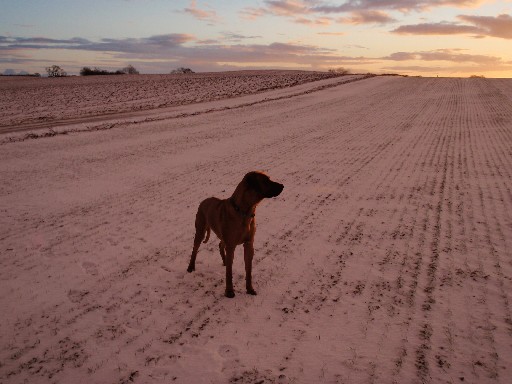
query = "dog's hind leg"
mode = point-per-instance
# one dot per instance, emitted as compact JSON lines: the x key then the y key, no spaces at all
{"x":201,"y":229}
{"x":222,"y":250}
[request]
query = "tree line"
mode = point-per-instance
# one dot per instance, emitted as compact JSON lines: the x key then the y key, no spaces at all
{"x":56,"y":71}
{"x":129,"y":70}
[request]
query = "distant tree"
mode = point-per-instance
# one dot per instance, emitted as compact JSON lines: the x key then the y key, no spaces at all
{"x":477,"y":76}
{"x":181,"y":70}
{"x":55,"y":71}
{"x":339,"y":71}
{"x":130,"y":70}
{"x":87,"y":71}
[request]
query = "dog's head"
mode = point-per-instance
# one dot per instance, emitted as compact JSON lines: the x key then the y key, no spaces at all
{"x":262,"y":185}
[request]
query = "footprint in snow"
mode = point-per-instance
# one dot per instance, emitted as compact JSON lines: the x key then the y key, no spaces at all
{"x":75,"y":296}
{"x":90,"y":268}
{"x":228,"y":351}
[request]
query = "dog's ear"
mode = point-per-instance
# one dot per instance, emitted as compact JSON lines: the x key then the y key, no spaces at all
{"x":252,"y":181}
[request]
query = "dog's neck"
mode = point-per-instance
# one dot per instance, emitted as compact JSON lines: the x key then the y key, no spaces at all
{"x":245,"y":213}
{"x":243,"y":203}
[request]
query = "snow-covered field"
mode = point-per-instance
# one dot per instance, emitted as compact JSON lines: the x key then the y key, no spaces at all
{"x":26,"y":101}
{"x":386,"y":259}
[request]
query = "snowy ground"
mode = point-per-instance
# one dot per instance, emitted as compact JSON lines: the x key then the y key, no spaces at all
{"x":387,"y":258}
{"x":28,"y":101}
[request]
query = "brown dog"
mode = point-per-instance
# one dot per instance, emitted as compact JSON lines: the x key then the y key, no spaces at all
{"x":233,"y":222}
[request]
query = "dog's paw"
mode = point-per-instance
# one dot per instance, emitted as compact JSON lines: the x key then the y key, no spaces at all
{"x":251,"y":291}
{"x":191,"y":269}
{"x":230,"y":294}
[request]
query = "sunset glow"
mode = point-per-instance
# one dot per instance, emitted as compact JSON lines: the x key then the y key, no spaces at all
{"x":412,"y":37}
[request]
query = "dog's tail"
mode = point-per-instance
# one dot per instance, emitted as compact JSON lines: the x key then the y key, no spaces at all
{"x":207,"y":235}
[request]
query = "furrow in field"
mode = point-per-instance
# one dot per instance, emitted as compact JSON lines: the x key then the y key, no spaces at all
{"x":316,"y":299}
{"x":391,"y":289}
{"x":401,"y":262}
{"x":385,"y":259}
{"x":496,"y":323}
{"x":326,"y":291}
{"x":467,"y":281}
{"x":137,"y":208}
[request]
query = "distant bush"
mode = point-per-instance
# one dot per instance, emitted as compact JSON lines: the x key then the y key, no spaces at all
{"x":181,"y":70}
{"x":130,"y":70}
{"x":87,"y":71}
{"x":55,"y":71}
{"x":339,"y":71}
{"x":477,"y":77}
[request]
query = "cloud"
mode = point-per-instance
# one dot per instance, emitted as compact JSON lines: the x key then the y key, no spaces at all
{"x":237,"y":37}
{"x":313,"y":12}
{"x":443,"y":28}
{"x":230,"y":50}
{"x":41,"y":40}
{"x":251,"y":13}
{"x":227,"y":37}
{"x":461,"y":63}
{"x":174,"y":48}
{"x":481,"y":26}
{"x":332,"y":33}
{"x":201,"y":14}
{"x":397,"y":5}
{"x":132,"y":45}
{"x":297,"y":11}
{"x":499,"y":26}
{"x":319,"y":22}
{"x":350,"y":46}
{"x":293,"y":8}
{"x":368,"y":17}
{"x":450,"y":55}
{"x":288,"y":7}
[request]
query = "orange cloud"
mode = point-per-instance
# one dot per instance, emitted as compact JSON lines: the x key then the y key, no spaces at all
{"x":451,"y":55}
{"x":201,"y":14}
{"x":482,"y":26}
{"x":288,"y":7}
{"x":398,"y":5}
{"x":332,"y":33}
{"x":360,"y":11}
{"x":322,"y":21}
{"x":368,"y":17}
{"x":252,"y":13}
{"x":499,"y":26}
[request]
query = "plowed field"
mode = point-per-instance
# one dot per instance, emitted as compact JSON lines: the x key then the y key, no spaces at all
{"x":386,"y":259}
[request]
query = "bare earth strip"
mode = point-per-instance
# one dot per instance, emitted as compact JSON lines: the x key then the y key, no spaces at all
{"x":387,"y":259}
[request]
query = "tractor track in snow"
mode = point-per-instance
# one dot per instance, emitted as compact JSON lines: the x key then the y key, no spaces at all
{"x":386,"y":259}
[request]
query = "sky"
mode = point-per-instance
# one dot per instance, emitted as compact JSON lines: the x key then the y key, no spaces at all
{"x":410,"y":37}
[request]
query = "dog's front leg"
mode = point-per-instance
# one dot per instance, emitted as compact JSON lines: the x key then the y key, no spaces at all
{"x":248,"y":255}
{"x":230,"y":255}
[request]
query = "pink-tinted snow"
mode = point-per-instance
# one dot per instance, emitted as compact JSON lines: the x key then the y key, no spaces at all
{"x":387,"y":258}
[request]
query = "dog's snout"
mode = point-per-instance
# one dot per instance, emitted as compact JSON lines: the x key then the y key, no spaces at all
{"x":277,"y":189}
